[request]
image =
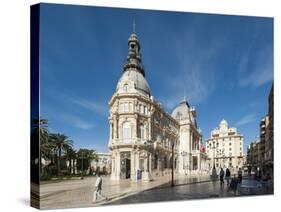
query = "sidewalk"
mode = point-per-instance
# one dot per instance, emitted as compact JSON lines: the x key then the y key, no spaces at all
{"x":79,"y":193}
{"x":133,"y":187}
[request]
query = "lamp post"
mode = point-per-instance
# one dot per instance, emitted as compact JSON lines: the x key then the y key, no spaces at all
{"x":214,"y":175}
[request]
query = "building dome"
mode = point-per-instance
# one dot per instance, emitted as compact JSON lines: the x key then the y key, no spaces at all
{"x":181,"y":111}
{"x":223,"y":124}
{"x":132,"y":80}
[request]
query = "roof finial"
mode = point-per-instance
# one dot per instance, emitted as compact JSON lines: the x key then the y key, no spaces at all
{"x":184,"y":97}
{"x":134,"y":26}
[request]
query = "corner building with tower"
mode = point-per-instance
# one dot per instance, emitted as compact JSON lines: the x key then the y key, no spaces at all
{"x":145,"y":141}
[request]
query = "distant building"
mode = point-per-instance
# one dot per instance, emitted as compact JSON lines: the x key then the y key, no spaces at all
{"x":102,"y":164}
{"x":269,"y":138}
{"x":254,"y":155}
{"x":261,"y":150}
{"x":225,"y":148}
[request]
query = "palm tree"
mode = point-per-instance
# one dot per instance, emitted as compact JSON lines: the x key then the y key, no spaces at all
{"x":70,"y":155}
{"x":88,"y":155}
{"x":62,"y":142}
{"x":40,"y":128}
{"x":39,"y":136}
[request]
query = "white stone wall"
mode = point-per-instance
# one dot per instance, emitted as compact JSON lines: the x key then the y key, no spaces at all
{"x":226,"y":146}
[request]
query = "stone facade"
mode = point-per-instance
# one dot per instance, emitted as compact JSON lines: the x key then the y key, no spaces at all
{"x":102,"y":164}
{"x":269,"y":138}
{"x":145,"y":141}
{"x":192,"y":156}
{"x":225,"y":148}
{"x":260,"y":152}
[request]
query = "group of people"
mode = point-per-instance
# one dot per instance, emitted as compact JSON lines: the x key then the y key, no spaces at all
{"x":232,"y":183}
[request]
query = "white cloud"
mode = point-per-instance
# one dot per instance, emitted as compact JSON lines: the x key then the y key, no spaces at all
{"x":90,"y":105}
{"x":198,"y":72}
{"x":77,"y":122}
{"x":255,"y":69}
{"x":247,"y":119}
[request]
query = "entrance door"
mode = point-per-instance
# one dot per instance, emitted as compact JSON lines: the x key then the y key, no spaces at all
{"x":125,"y":165}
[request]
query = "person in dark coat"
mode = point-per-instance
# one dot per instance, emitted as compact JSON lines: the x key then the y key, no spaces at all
{"x":233,"y":184}
{"x":227,"y":176}
{"x":240,"y":175}
{"x":221,"y":176}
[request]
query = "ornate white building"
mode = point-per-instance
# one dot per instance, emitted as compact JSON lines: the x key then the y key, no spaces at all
{"x":225,"y":148}
{"x":102,"y":163}
{"x":142,"y":135}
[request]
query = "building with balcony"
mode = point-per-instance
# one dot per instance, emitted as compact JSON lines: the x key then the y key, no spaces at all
{"x":225,"y":148}
{"x":102,"y":164}
{"x":145,"y":141}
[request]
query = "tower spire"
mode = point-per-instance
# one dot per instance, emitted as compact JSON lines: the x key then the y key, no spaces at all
{"x":134,"y":26}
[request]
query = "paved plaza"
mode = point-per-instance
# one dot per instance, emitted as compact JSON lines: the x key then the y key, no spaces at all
{"x":79,"y":193}
{"x":208,"y":189}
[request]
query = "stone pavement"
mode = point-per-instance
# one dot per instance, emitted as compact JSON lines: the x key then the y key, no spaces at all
{"x":79,"y":193}
{"x":203,"y":190}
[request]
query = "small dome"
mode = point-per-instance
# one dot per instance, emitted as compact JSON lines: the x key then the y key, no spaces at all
{"x":133,"y":37}
{"x":181,"y":111}
{"x":223,"y":124}
{"x":135,"y":79}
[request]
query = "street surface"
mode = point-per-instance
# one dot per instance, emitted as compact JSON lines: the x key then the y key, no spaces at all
{"x":190,"y":191}
{"x":79,"y":193}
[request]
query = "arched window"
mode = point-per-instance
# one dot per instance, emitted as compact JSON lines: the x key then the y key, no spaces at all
{"x":141,"y":109}
{"x":142,"y":133}
{"x":179,"y":116}
{"x":155,"y":161}
{"x":112,"y":130}
{"x":126,"y":129}
{"x":170,"y":162}
{"x":165,"y":163}
{"x":126,"y":87}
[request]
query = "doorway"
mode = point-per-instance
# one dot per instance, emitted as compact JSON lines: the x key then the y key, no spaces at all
{"x":125,"y":165}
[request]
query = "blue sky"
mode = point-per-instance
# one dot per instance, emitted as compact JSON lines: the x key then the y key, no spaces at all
{"x":223,"y":64}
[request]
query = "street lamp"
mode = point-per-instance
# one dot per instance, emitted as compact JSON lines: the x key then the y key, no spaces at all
{"x":214,"y":175}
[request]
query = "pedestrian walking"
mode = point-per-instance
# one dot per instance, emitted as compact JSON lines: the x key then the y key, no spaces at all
{"x":221,"y":176}
{"x":233,"y":184}
{"x":227,"y":176}
{"x":98,"y":188}
{"x":240,"y":175}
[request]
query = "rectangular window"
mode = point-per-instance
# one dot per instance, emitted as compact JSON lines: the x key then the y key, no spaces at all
{"x":131,"y":107}
{"x":126,"y":108}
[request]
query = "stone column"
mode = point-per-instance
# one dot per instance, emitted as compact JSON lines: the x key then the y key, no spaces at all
{"x":199,"y":163}
{"x":118,"y":166}
{"x":133,"y":165}
{"x":115,"y":127}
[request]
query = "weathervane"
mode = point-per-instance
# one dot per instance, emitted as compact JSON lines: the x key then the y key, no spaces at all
{"x":134,"y":26}
{"x":184,"y":97}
